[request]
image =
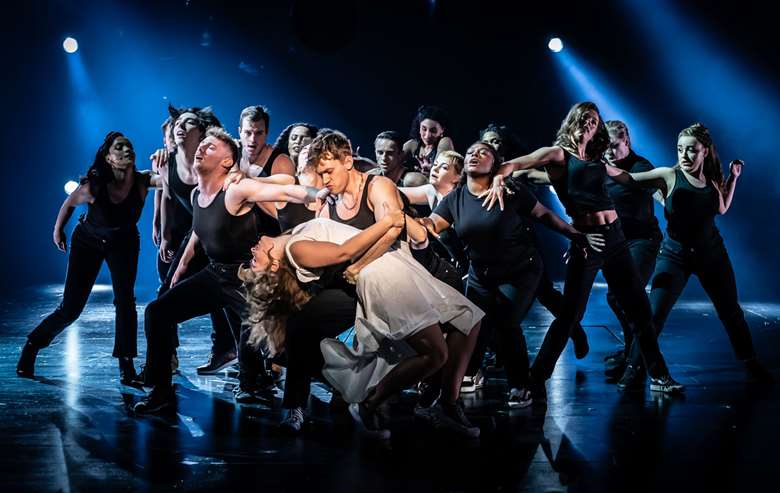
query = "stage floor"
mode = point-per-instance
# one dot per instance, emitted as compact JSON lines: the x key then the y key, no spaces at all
{"x":70,"y":428}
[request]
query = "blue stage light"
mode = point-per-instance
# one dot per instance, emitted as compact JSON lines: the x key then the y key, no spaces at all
{"x":70,"y":186}
{"x":70,"y":45}
{"x":555,"y":45}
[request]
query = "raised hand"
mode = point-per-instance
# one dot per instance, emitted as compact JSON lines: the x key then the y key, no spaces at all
{"x":735,"y":167}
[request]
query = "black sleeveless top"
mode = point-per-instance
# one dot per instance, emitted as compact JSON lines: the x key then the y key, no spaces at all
{"x":634,"y":206}
{"x":268,"y":225}
{"x":291,"y":215}
{"x":182,"y":192}
{"x":364,"y":217}
{"x":690,"y":212}
{"x":103,"y":213}
{"x":226,"y":238}
{"x":582,"y":188}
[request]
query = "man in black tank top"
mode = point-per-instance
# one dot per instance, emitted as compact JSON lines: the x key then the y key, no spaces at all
{"x":636,"y":212}
{"x":225,"y":225}
{"x":257,"y":157}
{"x":179,"y":180}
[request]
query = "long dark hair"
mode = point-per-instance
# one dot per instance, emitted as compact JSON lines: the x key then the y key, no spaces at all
{"x":712,"y":167}
{"x":565,"y":136}
{"x":283,"y":141}
{"x":434,"y":113}
{"x":100,"y":174}
{"x":206,"y":117}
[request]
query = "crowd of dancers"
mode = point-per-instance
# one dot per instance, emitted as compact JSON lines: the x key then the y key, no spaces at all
{"x":428,"y":255}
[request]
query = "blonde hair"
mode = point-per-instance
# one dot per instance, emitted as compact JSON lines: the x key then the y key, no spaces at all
{"x":454,"y":159}
{"x":272,"y":297}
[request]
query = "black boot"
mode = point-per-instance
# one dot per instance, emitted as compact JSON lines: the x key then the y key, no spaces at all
{"x":158,"y":400}
{"x":26,"y":366}
{"x":127,"y":373}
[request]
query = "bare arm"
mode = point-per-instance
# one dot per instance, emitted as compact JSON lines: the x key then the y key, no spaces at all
{"x":434,"y":223}
{"x":422,"y":195}
{"x":727,"y":194}
{"x":540,"y":157}
{"x":445,"y":144}
{"x":657,"y":179}
{"x":383,"y":191}
{"x":186,"y":257}
{"x":534,"y":176}
{"x":554,"y":222}
{"x":251,"y":190}
{"x":283,"y":165}
{"x":80,"y":196}
{"x":315,"y":254}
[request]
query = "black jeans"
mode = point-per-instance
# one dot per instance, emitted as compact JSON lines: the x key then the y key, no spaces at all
{"x":327,"y":314}
{"x":225,"y":326}
{"x":552,"y":300}
{"x":621,"y":275}
{"x":505,"y":293}
{"x":214,"y":288}
{"x":711,"y":264}
{"x":644,"y":252}
{"x":89,"y":247}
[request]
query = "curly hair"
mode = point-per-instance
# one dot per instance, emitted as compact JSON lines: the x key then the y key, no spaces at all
{"x":283,"y":141}
{"x":100,"y":173}
{"x":511,"y":145}
{"x":272,"y":297}
{"x":565,"y":135}
{"x":434,"y":113}
{"x":712,"y":167}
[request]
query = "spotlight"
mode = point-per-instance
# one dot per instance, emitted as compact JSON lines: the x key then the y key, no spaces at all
{"x":70,"y":45}
{"x":70,"y":186}
{"x":555,"y":45}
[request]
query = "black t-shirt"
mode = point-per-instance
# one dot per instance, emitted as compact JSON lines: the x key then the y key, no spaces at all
{"x":491,"y":237}
{"x":634,"y":206}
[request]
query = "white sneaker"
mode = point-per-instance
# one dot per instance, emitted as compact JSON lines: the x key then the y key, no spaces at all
{"x":472,"y":383}
{"x":368,"y":422}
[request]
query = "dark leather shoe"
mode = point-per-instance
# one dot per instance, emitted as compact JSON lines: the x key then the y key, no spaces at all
{"x":217,"y":363}
{"x":26,"y":366}
{"x":158,"y":400}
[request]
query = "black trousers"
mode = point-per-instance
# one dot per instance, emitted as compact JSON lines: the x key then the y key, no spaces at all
{"x":622,"y":276}
{"x":644,"y":252}
{"x":506,"y":295}
{"x":225,"y":326}
{"x":711,"y":264}
{"x":88,"y":249}
{"x":327,"y":314}
{"x":214,"y":288}
{"x":552,"y":300}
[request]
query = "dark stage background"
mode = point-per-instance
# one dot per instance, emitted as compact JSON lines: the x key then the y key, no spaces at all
{"x":364,"y":67}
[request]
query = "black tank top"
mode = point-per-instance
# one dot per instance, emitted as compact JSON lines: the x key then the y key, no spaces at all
{"x":582,"y":188}
{"x":364,"y":217}
{"x":291,"y":215}
{"x":181,"y":191}
{"x":225,"y":238}
{"x":268,"y":225}
{"x":690,"y":212}
{"x":103,"y":213}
